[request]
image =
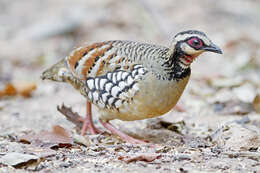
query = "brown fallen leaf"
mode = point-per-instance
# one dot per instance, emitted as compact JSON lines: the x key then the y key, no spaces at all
{"x":256,"y":103}
{"x":57,"y":138}
{"x":25,"y":89}
{"x":9,"y":90}
{"x":142,"y":157}
{"x":21,"y":88}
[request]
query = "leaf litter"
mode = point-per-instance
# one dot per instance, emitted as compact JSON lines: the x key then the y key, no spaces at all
{"x":57,"y":138}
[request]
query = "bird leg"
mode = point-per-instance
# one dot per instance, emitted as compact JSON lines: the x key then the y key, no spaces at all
{"x":121,"y":134}
{"x":88,"y":124}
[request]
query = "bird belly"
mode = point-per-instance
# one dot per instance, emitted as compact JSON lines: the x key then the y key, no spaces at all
{"x":153,"y":99}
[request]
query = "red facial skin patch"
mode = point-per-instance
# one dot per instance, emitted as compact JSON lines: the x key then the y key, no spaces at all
{"x":189,"y":59}
{"x":195,"y":42}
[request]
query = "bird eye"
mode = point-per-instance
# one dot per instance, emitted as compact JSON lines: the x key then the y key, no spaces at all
{"x":195,"y":42}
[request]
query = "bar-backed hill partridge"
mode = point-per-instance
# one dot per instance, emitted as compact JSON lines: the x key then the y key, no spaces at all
{"x":128,"y":80}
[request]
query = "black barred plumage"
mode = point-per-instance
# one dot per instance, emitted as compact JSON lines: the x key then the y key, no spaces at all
{"x":114,"y":88}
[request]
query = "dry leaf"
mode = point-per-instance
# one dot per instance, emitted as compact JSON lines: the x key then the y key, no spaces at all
{"x":18,"y":160}
{"x":142,"y":157}
{"x":25,"y":89}
{"x":58,"y":138}
{"x":21,"y":88}
{"x":9,"y":90}
{"x":256,"y":103}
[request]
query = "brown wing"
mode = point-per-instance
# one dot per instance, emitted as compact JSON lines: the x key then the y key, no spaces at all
{"x":99,"y":58}
{"x":110,"y":71}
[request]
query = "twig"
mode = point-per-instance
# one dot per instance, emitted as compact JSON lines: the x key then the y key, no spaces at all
{"x":71,"y":116}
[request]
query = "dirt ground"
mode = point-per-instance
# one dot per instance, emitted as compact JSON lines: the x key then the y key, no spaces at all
{"x":218,"y":129}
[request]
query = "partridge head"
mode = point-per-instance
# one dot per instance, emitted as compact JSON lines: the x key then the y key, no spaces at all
{"x":188,"y":45}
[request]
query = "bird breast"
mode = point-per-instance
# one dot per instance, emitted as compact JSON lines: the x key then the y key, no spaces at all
{"x":154,"y":98}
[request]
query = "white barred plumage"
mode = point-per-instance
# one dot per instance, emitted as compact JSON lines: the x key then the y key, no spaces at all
{"x":114,"y":88}
{"x":129,"y":80}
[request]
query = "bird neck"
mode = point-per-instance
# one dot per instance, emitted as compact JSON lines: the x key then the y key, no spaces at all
{"x":173,"y":65}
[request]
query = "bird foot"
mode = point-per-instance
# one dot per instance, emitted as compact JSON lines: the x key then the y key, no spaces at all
{"x":88,"y":126}
{"x":121,"y":134}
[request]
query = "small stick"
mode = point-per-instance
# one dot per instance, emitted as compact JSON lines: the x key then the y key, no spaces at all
{"x":71,"y":116}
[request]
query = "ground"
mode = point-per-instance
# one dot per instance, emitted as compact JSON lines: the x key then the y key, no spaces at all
{"x":217,"y":131}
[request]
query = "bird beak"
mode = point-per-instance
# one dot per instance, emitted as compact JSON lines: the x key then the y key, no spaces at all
{"x":213,"y":48}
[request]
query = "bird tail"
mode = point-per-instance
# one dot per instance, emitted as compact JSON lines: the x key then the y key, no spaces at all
{"x":58,"y":72}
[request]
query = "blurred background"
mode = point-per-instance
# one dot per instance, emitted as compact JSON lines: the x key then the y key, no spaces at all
{"x":223,"y":88}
